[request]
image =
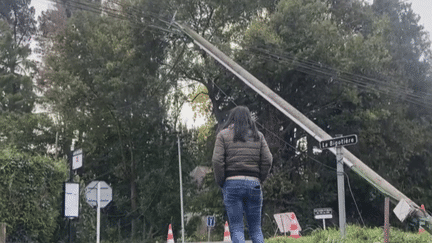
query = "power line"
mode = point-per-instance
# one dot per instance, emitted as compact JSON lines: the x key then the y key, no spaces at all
{"x":148,"y":17}
{"x":306,"y":66}
{"x":362,"y":82}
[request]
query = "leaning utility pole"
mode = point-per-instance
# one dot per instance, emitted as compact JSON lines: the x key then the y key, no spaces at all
{"x":409,"y":207}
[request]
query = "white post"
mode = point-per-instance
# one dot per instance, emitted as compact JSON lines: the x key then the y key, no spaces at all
{"x":324,"y":223}
{"x":181,"y":189}
{"x":98,"y":213}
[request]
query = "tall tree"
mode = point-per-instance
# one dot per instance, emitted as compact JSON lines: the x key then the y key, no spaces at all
{"x":321,"y":57}
{"x":104,"y":79}
{"x":19,"y":127}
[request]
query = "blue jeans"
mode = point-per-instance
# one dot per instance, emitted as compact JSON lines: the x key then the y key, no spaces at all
{"x":243,"y":196}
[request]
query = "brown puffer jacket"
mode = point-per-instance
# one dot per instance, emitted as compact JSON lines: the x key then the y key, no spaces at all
{"x":250,"y":158}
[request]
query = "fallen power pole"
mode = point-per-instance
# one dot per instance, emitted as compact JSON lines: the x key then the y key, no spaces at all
{"x":406,"y":207}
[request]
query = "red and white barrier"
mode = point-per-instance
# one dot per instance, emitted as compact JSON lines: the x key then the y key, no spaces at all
{"x":227,"y":235}
{"x":170,"y":238}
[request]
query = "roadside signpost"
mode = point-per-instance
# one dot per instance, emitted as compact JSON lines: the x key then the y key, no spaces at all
{"x":98,"y":193}
{"x":340,"y":142}
{"x":323,"y":213}
{"x":211,"y":222}
{"x":71,"y":189}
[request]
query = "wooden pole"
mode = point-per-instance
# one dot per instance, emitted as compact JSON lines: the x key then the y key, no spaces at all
{"x":2,"y":232}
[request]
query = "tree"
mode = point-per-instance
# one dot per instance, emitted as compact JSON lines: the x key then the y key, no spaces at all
{"x":17,"y":88}
{"x":104,"y":79}
{"x":19,"y":127}
{"x":20,"y":17}
{"x":317,"y":55}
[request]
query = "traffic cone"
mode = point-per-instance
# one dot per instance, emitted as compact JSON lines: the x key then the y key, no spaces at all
{"x":421,"y":230}
{"x":227,"y":236}
{"x":170,"y":238}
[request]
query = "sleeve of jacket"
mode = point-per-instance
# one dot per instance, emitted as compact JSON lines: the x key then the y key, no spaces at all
{"x":218,"y":160}
{"x":266,"y":159}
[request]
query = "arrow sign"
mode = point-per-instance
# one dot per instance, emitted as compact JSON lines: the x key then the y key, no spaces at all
{"x":323,"y":213}
{"x":339,"y":142}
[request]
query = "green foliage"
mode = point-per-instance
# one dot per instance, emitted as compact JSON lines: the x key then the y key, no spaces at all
{"x":16,"y":89}
{"x":305,"y":38}
{"x":20,"y":17}
{"x":355,"y":234}
{"x":31,"y":189}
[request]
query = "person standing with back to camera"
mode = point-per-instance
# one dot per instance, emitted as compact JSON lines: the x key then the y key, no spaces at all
{"x":241,"y":161}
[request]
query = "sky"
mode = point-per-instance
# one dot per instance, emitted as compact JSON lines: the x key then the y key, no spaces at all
{"x":423,"y":8}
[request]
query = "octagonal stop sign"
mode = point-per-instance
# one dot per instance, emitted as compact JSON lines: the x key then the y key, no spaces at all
{"x":105,"y":193}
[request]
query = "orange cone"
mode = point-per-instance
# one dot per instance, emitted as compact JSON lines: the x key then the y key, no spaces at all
{"x":421,"y":230}
{"x":170,"y":238}
{"x":227,"y":236}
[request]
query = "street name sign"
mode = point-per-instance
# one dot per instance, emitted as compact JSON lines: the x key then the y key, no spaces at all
{"x":323,"y":213}
{"x":339,"y":141}
{"x":105,"y":193}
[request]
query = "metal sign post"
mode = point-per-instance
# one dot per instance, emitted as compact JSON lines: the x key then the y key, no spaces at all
{"x":387,"y":220}
{"x":99,"y":194}
{"x":323,"y":213}
{"x":339,"y":142}
{"x":98,"y":213}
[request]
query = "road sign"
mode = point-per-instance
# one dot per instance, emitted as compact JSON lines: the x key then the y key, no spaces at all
{"x":339,"y":141}
{"x":323,"y":213}
{"x":211,"y":221}
{"x":77,"y":159}
{"x":105,"y":193}
{"x":288,"y":222}
{"x":71,"y":202}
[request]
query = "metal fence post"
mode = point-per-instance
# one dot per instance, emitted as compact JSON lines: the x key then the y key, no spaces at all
{"x":386,"y":219}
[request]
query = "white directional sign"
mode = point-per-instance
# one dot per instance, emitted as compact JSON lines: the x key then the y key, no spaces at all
{"x":323,"y":213}
{"x":77,"y":159}
{"x":105,"y":193}
{"x":339,"y":141}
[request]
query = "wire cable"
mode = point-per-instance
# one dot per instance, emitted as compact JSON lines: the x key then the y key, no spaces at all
{"x":395,"y":90}
{"x":361,"y":81}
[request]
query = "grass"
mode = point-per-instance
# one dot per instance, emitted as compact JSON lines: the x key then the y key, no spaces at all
{"x":356,"y":234}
